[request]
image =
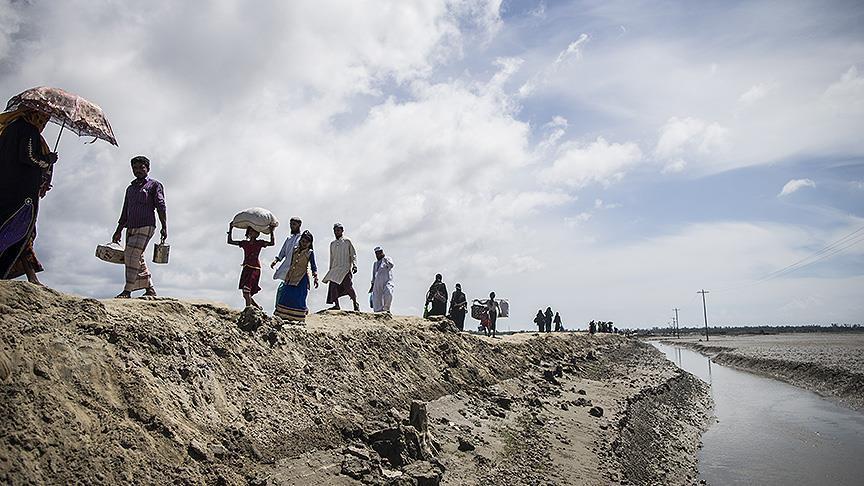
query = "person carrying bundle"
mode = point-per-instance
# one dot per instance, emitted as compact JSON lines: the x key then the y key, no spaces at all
{"x":250,"y":276}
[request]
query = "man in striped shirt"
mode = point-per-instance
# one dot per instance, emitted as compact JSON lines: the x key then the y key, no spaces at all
{"x":143,"y":197}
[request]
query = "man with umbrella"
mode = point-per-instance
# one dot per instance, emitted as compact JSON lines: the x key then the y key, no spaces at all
{"x":143,"y":196}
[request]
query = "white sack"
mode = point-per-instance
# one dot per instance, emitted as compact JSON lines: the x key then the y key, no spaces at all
{"x":258,"y":219}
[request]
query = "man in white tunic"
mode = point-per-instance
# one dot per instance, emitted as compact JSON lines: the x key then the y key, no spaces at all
{"x":382,"y":282}
{"x":343,"y":263}
{"x":287,"y":250}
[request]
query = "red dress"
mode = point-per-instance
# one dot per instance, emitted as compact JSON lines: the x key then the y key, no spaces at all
{"x":251,"y":274}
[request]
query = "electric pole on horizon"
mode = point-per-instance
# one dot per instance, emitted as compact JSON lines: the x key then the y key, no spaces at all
{"x":677,"y":333}
{"x":704,"y":311}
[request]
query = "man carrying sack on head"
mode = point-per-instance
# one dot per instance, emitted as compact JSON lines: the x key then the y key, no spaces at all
{"x":143,"y":196}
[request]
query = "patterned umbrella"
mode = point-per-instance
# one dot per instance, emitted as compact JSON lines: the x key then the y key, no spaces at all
{"x":67,"y":110}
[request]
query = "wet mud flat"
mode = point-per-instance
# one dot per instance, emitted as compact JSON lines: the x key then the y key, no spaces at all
{"x":165,"y":391}
{"x":830,"y":364}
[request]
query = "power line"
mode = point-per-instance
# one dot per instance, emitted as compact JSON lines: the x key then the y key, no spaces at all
{"x":826,"y":252}
{"x":828,"y":248}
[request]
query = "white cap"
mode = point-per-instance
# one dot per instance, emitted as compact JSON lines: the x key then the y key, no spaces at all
{"x":378,"y":248}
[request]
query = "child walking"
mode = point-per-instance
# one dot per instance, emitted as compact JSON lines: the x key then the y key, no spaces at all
{"x":251,"y":274}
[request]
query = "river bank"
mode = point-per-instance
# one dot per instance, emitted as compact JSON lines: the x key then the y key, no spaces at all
{"x":831,"y":364}
{"x":164,"y":391}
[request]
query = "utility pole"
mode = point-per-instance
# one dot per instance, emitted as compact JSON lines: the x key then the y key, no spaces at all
{"x":677,"y":333}
{"x":704,"y":311}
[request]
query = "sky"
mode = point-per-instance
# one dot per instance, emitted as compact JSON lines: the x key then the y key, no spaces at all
{"x":608,"y":159}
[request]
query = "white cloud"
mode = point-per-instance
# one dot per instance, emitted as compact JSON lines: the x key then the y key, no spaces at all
{"x":578,"y":165}
{"x":794,"y":185}
{"x":578,"y":219}
{"x":848,"y":92}
{"x":574,"y":49}
{"x":679,"y":136}
{"x":600,"y":204}
{"x":756,"y":93}
{"x":674,"y":166}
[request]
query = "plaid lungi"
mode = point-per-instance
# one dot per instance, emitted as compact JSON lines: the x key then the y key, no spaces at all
{"x":137,"y":274}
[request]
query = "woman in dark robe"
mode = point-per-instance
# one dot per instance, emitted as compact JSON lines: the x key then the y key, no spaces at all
{"x":458,"y":307}
{"x":437,"y":297}
{"x":25,"y":166}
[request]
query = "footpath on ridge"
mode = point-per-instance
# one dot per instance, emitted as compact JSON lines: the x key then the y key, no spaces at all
{"x":166,"y":391}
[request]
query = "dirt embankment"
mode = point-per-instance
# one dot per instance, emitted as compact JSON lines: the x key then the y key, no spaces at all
{"x":163,"y":391}
{"x":829,"y":364}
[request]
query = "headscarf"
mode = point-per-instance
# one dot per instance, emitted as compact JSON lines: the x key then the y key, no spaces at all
{"x":33,"y":117}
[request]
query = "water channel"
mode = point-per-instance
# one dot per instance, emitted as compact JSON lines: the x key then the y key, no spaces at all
{"x":771,"y":433}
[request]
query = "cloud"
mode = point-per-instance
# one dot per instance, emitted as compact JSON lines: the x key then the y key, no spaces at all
{"x":578,"y":219}
{"x":578,"y":165}
{"x":848,"y":92}
{"x":402,"y":120}
{"x":794,"y":185}
{"x":680,"y":136}
{"x":674,"y":166}
{"x":600,"y":204}
{"x":756,"y":93}
{"x":573,"y":50}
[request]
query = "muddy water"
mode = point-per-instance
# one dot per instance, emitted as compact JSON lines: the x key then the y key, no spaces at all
{"x":768,"y":432}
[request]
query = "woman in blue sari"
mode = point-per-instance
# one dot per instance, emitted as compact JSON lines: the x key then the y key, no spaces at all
{"x":292,"y":293}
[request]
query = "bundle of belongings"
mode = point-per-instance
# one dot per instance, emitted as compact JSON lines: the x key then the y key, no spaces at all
{"x":259,"y":219}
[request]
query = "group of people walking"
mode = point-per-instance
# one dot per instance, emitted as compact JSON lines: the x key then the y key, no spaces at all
{"x":296,"y":263}
{"x":545,"y":321}
{"x":602,"y":326}
{"x":486,"y":310}
{"x":26,"y":171}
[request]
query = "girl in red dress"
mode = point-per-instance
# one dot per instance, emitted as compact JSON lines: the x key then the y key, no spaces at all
{"x":251,"y":273}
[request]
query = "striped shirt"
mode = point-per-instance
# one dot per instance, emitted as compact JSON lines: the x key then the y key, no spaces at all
{"x":143,"y":196}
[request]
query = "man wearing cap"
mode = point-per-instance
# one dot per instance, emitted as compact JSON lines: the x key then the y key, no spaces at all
{"x":287,"y":250}
{"x":382,"y":282}
{"x":143,"y":196}
{"x":343,"y":263}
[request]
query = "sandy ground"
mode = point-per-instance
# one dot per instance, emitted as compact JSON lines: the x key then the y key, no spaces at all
{"x":164,"y":391}
{"x":831,"y":364}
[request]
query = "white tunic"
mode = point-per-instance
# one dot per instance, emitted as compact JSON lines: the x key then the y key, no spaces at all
{"x":343,"y":259}
{"x":382,"y":284}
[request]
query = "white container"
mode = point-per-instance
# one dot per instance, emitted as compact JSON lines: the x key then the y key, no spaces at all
{"x":111,"y":253}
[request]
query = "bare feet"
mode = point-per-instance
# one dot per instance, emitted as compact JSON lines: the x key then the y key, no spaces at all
{"x":123,"y":295}
{"x":356,"y":307}
{"x":335,"y":307}
{"x":150,"y":292}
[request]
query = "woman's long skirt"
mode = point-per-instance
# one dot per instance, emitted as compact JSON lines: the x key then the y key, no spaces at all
{"x":291,"y":300}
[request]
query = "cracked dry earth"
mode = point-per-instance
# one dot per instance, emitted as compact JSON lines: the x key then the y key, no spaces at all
{"x":165,"y":391}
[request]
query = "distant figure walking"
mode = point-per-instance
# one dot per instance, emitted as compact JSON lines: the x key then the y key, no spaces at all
{"x":343,"y":264}
{"x":492,"y":311}
{"x":287,"y":250}
{"x":437,"y":297}
{"x":382,"y":282}
{"x":250,"y":276}
{"x":458,"y":307}
{"x":557,"y":321}
{"x":548,"y":319}
{"x":292,"y":293}
{"x":143,"y":196}
{"x":540,"y":320}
